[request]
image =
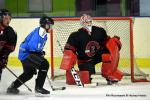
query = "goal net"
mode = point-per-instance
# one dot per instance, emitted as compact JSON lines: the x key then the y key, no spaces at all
{"x":121,"y":27}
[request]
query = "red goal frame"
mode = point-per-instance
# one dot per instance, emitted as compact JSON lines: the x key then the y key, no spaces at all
{"x":99,"y":18}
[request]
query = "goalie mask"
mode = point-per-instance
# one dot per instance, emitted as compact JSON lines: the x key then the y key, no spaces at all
{"x":86,"y":21}
{"x":46,"y":22}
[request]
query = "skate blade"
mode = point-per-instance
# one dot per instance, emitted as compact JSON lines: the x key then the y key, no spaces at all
{"x":41,"y":95}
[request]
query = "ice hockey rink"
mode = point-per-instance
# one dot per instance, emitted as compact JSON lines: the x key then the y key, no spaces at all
{"x":124,"y":90}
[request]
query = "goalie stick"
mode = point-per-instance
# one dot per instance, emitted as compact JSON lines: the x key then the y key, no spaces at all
{"x":78,"y":80}
{"x":76,"y":77}
{"x":54,"y":88}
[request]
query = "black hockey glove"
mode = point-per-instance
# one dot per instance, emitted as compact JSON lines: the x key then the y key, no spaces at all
{"x":3,"y":61}
{"x":42,"y":53}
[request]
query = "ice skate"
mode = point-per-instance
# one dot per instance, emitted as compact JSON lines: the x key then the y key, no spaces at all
{"x":12,"y":90}
{"x":111,"y":82}
{"x":41,"y":92}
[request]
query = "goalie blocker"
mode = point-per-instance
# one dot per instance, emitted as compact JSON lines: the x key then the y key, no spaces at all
{"x":68,"y":61}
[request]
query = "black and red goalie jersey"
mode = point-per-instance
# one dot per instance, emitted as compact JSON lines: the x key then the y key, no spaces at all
{"x":86,"y":45}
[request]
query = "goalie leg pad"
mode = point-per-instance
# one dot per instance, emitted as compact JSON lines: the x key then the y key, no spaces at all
{"x":110,"y":61}
{"x":68,"y":60}
{"x":69,"y":78}
{"x":84,"y":76}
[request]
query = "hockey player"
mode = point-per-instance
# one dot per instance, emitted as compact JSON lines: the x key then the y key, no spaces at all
{"x":31,"y":55}
{"x":91,"y":45}
{"x":8,"y":38}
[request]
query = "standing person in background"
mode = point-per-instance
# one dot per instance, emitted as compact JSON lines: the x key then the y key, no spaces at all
{"x":31,"y":55}
{"x":8,"y":38}
{"x":89,"y":46}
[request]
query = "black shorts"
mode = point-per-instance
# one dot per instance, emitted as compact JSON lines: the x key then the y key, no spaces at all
{"x":32,"y":62}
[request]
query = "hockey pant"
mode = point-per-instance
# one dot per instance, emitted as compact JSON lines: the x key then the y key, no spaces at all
{"x":30,"y":66}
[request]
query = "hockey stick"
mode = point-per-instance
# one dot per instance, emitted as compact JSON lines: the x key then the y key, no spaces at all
{"x":18,"y":78}
{"x":54,"y":88}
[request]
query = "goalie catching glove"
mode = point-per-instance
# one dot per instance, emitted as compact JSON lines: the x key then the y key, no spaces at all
{"x":117,"y":41}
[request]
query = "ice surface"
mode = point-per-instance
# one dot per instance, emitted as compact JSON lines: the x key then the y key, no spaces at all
{"x":125,"y":90}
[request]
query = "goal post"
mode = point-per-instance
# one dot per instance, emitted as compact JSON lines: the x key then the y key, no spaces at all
{"x":120,"y":26}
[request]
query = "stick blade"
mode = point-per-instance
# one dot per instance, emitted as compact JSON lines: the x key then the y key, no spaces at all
{"x":58,"y":88}
{"x":92,"y":85}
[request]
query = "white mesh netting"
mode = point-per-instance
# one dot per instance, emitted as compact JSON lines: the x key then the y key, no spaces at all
{"x":113,"y":26}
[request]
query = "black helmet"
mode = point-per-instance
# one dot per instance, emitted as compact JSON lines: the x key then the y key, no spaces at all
{"x":4,"y":12}
{"x":46,"y":22}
